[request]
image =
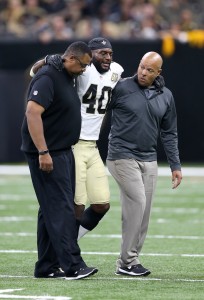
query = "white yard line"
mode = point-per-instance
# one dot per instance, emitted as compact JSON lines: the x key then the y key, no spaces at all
{"x":119,"y":277}
{"x":163,"y":171}
{"x":4,"y":295}
{"x":16,"y":219}
{"x":109,"y":236}
{"x":157,"y":221}
{"x":8,"y":296}
{"x":112,"y":253}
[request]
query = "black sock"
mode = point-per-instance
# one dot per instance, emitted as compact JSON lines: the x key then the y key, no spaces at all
{"x":90,"y":218}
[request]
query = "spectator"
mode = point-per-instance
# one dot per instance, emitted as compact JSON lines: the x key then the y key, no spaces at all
{"x":32,"y":13}
{"x":11,"y":17}
{"x":124,"y":19}
{"x":59,"y":29}
{"x":187,"y":21}
{"x":53,"y":6}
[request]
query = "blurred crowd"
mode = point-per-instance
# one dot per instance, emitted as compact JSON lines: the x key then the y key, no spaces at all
{"x":48,"y":20}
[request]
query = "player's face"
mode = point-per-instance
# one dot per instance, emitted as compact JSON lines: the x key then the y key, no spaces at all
{"x":77,"y":65}
{"x":147,"y":71}
{"x":102,"y":59}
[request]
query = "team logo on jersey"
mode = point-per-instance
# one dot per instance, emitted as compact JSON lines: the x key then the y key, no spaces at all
{"x":114,"y":77}
{"x":35,"y":93}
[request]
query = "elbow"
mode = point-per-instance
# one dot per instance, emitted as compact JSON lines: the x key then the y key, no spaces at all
{"x":29,"y":113}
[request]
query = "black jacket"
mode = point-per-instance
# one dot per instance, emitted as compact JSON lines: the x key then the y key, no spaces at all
{"x":138,"y":120}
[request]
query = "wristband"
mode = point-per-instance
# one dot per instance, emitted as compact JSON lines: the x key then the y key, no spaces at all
{"x":45,"y":59}
{"x":43,"y":152}
{"x":31,"y":73}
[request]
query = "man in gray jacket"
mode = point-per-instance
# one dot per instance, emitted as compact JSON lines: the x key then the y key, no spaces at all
{"x":142,"y":110}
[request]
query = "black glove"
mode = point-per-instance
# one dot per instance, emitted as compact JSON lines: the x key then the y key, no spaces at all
{"x":55,"y":60}
{"x":159,"y":82}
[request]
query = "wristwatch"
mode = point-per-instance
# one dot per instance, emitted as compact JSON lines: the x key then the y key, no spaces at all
{"x":43,"y":152}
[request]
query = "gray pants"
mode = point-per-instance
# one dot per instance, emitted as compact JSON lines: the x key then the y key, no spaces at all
{"x":137,"y":182}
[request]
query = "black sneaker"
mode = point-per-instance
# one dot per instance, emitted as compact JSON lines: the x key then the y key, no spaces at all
{"x":82,"y":273}
{"x":58,"y":273}
{"x":136,"y":270}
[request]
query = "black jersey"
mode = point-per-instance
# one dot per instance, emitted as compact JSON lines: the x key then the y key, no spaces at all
{"x":54,"y":91}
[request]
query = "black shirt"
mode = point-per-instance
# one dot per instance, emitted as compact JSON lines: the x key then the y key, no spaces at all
{"x":55,"y":91}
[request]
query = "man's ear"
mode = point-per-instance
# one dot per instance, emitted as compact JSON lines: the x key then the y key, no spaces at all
{"x":159,"y":72}
{"x":72,"y":57}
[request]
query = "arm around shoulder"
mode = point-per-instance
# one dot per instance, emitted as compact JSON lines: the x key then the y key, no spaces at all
{"x":37,"y":66}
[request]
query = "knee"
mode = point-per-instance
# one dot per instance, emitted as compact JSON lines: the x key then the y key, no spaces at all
{"x":101,"y":208}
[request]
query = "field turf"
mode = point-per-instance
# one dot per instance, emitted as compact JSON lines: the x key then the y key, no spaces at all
{"x":173,"y":250}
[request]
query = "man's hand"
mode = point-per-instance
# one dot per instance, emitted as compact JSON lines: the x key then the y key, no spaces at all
{"x":176,"y":178}
{"x":55,"y":60}
{"x":46,"y":163}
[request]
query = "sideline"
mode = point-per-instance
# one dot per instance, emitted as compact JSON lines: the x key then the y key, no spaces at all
{"x":4,"y":295}
{"x":122,"y":277}
{"x":162,"y":171}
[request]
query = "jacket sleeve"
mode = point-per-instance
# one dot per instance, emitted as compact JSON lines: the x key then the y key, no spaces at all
{"x":114,"y":97}
{"x":169,"y":135}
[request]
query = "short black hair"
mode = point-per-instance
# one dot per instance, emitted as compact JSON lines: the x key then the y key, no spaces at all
{"x":78,"y":48}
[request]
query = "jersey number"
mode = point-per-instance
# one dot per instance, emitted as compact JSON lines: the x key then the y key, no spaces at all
{"x":90,"y":99}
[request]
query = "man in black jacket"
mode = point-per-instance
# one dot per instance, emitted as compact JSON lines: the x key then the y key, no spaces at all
{"x":142,"y":110}
{"x":51,"y":126}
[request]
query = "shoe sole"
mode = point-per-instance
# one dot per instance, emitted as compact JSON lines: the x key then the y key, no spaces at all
{"x":50,"y":277}
{"x":57,"y":277}
{"x":133,"y":274}
{"x":94,"y":271}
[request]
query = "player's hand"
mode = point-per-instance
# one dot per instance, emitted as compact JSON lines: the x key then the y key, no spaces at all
{"x":55,"y":60}
{"x":176,"y":178}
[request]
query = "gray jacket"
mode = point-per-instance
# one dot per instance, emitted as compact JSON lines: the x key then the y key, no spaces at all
{"x":138,"y":120}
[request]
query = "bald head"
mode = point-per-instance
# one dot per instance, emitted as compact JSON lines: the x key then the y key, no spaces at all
{"x":153,"y":58}
{"x":149,"y":68}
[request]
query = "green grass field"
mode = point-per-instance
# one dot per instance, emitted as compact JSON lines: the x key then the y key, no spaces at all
{"x":173,"y":250}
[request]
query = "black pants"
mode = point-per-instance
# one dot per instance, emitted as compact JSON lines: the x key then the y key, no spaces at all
{"x":57,"y":231}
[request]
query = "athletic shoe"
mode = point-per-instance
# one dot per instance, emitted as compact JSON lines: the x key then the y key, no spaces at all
{"x":58,"y":273}
{"x":82,"y":273}
{"x":136,"y":270}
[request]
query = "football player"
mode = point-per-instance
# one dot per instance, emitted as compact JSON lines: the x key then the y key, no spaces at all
{"x":94,"y":89}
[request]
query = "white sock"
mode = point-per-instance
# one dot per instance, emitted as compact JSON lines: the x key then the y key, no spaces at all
{"x":82,"y":232}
